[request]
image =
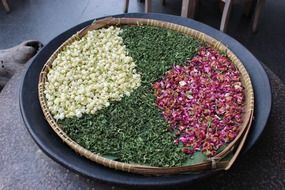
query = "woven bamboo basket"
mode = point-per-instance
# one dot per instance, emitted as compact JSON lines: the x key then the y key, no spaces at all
{"x":214,"y":163}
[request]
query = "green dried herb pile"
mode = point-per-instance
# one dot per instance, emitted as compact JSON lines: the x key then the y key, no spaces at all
{"x":133,"y":130}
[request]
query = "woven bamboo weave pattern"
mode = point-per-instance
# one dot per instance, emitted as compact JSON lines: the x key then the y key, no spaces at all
{"x":213,"y":163}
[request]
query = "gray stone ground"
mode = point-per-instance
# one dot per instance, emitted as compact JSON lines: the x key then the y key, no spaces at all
{"x":24,"y":166}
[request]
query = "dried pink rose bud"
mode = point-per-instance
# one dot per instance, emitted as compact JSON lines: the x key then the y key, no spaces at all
{"x":203,"y":101}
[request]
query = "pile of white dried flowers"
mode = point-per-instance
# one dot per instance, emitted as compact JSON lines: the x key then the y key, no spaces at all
{"x":90,"y":73}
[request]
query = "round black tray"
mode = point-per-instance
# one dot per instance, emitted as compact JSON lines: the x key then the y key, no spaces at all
{"x":53,"y":146}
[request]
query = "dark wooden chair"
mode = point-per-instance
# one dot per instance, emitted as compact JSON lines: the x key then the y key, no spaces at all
{"x":188,"y":9}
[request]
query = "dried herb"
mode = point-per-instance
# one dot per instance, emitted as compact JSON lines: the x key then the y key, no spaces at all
{"x":134,"y":130}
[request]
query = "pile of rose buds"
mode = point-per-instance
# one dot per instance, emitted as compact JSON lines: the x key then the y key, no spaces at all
{"x":202,"y":101}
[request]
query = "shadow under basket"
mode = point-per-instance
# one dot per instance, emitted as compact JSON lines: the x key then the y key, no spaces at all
{"x":214,"y":163}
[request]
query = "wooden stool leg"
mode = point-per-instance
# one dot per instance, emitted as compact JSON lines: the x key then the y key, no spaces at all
{"x":259,"y":6}
{"x":6,"y":6}
{"x":185,"y":8}
{"x":247,"y":7}
{"x":188,"y":8}
{"x":126,"y":8}
{"x":147,"y":6}
{"x":226,"y":15}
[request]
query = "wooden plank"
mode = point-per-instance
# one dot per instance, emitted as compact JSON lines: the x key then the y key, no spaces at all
{"x":226,"y":15}
{"x":148,"y":6}
{"x":188,"y":8}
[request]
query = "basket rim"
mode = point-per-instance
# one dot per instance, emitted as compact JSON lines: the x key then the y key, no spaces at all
{"x":135,"y":168}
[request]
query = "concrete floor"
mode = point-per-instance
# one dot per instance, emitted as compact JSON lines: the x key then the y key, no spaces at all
{"x":43,"y":20}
